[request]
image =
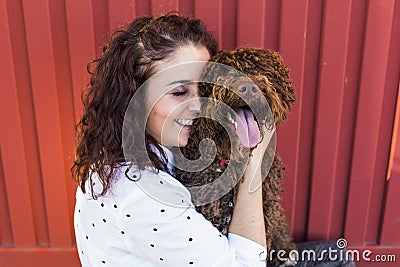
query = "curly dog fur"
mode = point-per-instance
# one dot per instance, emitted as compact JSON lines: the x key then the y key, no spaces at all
{"x":266,"y":69}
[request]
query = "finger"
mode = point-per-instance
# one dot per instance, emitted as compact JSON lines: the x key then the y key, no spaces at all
{"x":255,"y":183}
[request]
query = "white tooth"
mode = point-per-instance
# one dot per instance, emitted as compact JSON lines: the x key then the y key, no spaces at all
{"x":235,"y":123}
{"x":184,"y":122}
{"x":231,"y":119}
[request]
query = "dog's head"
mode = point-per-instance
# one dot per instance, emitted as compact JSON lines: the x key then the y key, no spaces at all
{"x":256,"y":91}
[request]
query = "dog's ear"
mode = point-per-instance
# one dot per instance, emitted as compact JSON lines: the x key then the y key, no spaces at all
{"x":278,"y":75}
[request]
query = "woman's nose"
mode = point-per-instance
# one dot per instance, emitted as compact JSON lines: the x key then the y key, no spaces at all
{"x":194,"y":104}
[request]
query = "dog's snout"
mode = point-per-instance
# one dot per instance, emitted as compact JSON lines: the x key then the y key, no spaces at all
{"x":247,"y":89}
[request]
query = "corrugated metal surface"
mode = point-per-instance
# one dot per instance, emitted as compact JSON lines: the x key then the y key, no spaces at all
{"x":340,"y":144}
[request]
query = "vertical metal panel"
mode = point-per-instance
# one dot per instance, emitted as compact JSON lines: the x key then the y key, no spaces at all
{"x":306,"y":123}
{"x":186,"y":8}
{"x":27,"y":117}
{"x":250,"y":15}
{"x":372,"y":84}
{"x":100,"y":22}
{"x":6,"y":239}
{"x":159,"y":7}
{"x":81,"y":44}
{"x":272,"y":23}
{"x":390,"y":234}
{"x":48,"y":120}
{"x":328,"y":118}
{"x":345,"y":66}
{"x":211,"y":13}
{"x":390,"y":222}
{"x":348,"y":118}
{"x":64,"y":92}
{"x":229,"y":18}
{"x":293,"y":23}
{"x":120,"y":13}
{"x":142,"y":8}
{"x":12,"y":146}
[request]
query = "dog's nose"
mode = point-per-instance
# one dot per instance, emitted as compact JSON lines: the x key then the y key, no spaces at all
{"x":247,"y":89}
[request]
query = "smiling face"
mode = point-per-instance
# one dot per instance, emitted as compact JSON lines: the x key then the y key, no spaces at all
{"x":172,"y":96}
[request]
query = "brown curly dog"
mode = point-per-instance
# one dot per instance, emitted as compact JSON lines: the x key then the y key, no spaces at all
{"x":231,"y":95}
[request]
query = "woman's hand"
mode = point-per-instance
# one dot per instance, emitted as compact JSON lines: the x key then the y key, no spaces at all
{"x":253,"y":170}
{"x":258,"y":152}
{"x":248,"y":214}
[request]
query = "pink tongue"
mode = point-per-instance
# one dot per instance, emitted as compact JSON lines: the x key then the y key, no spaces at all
{"x":247,"y":128}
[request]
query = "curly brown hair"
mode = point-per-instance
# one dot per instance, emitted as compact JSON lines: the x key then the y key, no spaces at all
{"x":126,"y":63}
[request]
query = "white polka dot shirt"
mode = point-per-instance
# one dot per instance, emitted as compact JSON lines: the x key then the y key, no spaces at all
{"x":152,"y":222}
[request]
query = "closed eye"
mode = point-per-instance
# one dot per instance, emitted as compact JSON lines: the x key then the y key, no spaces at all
{"x":180,"y":91}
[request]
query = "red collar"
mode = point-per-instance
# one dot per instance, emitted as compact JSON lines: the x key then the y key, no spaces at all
{"x":223,"y":162}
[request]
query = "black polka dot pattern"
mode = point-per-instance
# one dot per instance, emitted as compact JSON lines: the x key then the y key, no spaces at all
{"x":128,"y":216}
{"x":148,"y":223}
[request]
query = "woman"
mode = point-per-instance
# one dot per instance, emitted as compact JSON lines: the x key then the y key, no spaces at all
{"x":117,"y":223}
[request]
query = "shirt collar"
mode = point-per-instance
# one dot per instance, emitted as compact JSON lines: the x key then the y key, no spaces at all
{"x":168,"y":153}
{"x":170,"y":156}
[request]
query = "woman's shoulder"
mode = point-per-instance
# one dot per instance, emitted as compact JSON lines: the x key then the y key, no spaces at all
{"x":132,"y":188}
{"x":131,"y":184}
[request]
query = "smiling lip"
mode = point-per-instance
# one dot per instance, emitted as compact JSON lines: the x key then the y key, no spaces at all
{"x":185,"y":123}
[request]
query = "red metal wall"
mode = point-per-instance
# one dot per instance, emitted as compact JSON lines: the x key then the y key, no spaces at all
{"x":340,"y":143}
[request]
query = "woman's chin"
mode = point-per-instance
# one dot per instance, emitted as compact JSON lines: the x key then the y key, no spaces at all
{"x":183,"y":143}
